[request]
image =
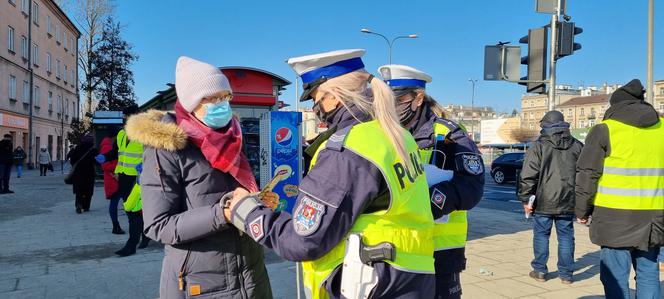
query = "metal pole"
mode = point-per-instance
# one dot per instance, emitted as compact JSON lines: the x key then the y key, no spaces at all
{"x":30,"y":124}
{"x":651,"y":29}
{"x":554,"y":50}
{"x":472,"y":109}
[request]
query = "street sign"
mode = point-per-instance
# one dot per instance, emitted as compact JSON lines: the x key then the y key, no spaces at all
{"x":502,"y":62}
{"x":549,"y":6}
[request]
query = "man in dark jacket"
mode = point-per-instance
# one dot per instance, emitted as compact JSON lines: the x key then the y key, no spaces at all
{"x":548,"y":175}
{"x":620,"y":178}
{"x":6,"y":161}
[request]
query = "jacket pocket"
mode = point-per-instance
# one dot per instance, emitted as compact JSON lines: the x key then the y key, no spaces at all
{"x":206,"y":273}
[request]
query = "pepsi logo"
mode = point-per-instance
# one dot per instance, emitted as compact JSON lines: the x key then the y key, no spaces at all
{"x":284,"y":136}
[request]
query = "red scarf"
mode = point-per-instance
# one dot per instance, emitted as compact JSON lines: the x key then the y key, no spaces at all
{"x":222,"y":148}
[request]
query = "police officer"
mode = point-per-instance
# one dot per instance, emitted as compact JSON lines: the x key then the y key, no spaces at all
{"x":366,"y":180}
{"x":445,"y":144}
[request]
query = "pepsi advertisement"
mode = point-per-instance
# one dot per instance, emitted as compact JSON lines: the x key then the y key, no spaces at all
{"x":285,"y":157}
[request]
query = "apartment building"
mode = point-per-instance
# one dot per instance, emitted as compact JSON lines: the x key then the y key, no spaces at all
{"x":36,"y":37}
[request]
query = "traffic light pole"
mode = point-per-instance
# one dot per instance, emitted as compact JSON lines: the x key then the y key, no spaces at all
{"x":552,"y":66}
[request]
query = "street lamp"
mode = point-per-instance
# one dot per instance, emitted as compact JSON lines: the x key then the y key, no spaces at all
{"x":389,"y":43}
{"x":472,"y":107}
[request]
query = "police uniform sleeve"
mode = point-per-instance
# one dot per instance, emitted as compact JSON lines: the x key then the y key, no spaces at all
{"x":466,"y":187}
{"x":332,"y":195}
{"x":165,"y":220}
{"x":530,"y":173}
{"x":589,"y":169}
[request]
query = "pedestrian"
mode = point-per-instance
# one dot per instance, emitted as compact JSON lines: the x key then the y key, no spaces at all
{"x":450,"y":199}
{"x":108,"y":159}
{"x":44,"y":160}
{"x":133,"y":207}
{"x":366,"y":186}
{"x":82,"y":159}
{"x":19,"y":159}
{"x":192,"y":158}
{"x":549,"y":168}
{"x":619,"y":183}
{"x":6,"y":161}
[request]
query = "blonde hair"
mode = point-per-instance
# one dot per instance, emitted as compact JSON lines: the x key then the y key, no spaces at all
{"x":435,"y":107}
{"x":352,"y":88}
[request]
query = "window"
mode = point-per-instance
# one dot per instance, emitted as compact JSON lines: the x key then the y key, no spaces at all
{"x":73,"y":108}
{"x":57,"y":33}
{"x":592,"y":111}
{"x":36,"y":95}
{"x":10,"y":38}
{"x":59,"y":103}
{"x":35,"y":13}
{"x":24,"y":6}
{"x":26,"y":92}
{"x":71,"y":43}
{"x":24,"y":47}
{"x":57,"y":68}
{"x":591,"y":122}
{"x":64,"y":39}
{"x":71,"y":79}
{"x":569,"y":112}
{"x":661,"y":107}
{"x":35,"y":54}
{"x":50,"y":101}
{"x":49,"y":26}
{"x":66,"y":73}
{"x":661,"y":91}
{"x":532,"y":115}
{"x":12,"y":88}
{"x":582,"y":112}
{"x":48,"y":62}
{"x":67,"y":107}
{"x":532,"y":127}
{"x":582,"y":124}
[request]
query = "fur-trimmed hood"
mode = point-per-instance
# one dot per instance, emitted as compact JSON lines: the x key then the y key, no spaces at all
{"x":156,"y":129}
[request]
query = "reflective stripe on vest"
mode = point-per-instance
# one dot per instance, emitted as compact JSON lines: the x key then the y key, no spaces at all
{"x":453,"y":232}
{"x":408,"y":222}
{"x":130,"y":154}
{"x":633,"y":176}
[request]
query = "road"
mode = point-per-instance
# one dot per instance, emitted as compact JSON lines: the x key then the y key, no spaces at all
{"x":500,"y":197}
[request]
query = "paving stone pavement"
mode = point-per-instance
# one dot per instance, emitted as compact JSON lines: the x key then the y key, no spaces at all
{"x":49,"y":251}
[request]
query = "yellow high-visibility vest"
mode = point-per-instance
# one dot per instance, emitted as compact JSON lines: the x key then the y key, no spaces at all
{"x":450,"y":231}
{"x":130,"y":154}
{"x":633,"y":176}
{"x":407,"y":224}
{"x":133,"y":202}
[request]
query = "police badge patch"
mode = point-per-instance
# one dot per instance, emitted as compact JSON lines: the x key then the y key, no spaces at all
{"x":438,"y":198}
{"x":472,"y":164}
{"x":256,"y":228}
{"x":307,"y":216}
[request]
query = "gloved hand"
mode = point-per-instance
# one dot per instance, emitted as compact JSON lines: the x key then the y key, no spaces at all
{"x":139,"y":168}
{"x":100,"y":158}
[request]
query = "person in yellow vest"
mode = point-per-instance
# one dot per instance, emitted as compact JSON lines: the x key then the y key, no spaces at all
{"x":133,"y":207}
{"x":455,"y":170}
{"x":130,"y":156}
{"x":620,"y":184}
{"x":363,"y":203}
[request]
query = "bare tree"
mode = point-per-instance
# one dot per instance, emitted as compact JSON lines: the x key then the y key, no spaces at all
{"x":89,"y":16}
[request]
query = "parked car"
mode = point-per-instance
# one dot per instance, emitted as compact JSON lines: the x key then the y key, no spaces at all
{"x":506,"y":167}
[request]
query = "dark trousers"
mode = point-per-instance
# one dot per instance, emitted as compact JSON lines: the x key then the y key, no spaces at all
{"x":5,"y":174}
{"x":42,"y":169}
{"x":542,"y":225}
{"x":135,"y":229}
{"x":614,"y":268}
{"x":113,"y":207}
{"x":448,"y":286}
{"x":83,"y":200}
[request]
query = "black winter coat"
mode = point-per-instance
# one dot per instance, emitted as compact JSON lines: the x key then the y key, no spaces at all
{"x":84,"y":174}
{"x":549,"y":170}
{"x":180,"y":193}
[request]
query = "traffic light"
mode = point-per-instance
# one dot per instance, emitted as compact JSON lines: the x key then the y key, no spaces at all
{"x":536,"y":58}
{"x":566,"y":44}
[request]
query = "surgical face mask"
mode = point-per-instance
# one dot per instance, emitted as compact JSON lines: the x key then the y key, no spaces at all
{"x":217,"y":115}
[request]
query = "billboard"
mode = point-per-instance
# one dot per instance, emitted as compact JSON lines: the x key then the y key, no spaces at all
{"x":499,"y":131}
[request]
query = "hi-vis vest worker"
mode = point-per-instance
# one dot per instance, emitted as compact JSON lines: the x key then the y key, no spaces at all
{"x":633,"y":182}
{"x":133,"y":202}
{"x":456,"y":188}
{"x":364,"y":205}
{"x":130,"y":154}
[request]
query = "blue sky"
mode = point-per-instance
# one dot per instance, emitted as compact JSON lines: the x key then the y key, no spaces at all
{"x":453,"y":34}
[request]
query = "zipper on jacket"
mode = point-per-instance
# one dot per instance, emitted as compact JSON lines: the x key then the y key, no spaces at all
{"x":183,"y":268}
{"x":243,"y":289}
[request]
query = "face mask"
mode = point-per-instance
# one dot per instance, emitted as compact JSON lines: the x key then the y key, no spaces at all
{"x":217,"y":115}
{"x":405,"y":113}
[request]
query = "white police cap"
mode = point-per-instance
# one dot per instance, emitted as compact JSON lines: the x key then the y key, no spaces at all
{"x":318,"y":68}
{"x":402,"y":76}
